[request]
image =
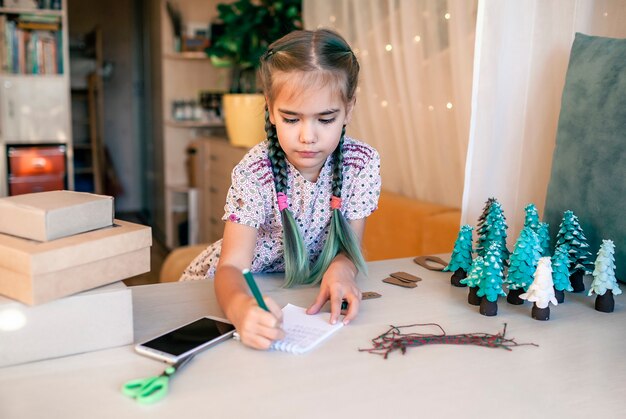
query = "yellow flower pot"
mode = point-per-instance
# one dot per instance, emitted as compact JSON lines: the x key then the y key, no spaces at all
{"x":244,"y":115}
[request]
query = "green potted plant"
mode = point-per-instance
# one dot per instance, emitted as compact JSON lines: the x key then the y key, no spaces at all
{"x":248,"y":28}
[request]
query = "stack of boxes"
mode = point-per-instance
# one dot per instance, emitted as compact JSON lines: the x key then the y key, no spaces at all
{"x":62,"y":259}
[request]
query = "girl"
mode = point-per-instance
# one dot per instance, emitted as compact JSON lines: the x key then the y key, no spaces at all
{"x":291,"y":194}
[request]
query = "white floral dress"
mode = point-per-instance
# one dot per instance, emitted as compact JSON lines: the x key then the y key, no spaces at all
{"x":252,"y":201}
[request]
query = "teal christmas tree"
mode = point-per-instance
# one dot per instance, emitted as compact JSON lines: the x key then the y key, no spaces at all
{"x":532,"y":217}
{"x":571,"y":233}
{"x":541,"y":291}
{"x":473,"y":279}
{"x":493,"y":230}
{"x":490,"y":287}
{"x":461,"y":260}
{"x":523,"y":264}
{"x":604,"y":278}
{"x":560,"y":273}
{"x":544,"y":238}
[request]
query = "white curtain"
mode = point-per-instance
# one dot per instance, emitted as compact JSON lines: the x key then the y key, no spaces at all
{"x":521,"y":57}
{"x":413,"y":103}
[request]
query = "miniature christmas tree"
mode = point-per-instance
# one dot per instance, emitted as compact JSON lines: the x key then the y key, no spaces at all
{"x":544,"y":238}
{"x":532,"y":217}
{"x":483,"y":216}
{"x":461,"y":260}
{"x":571,"y":233}
{"x":490,"y":287}
{"x":523,"y":264}
{"x":473,"y":279}
{"x":493,"y":230}
{"x":541,"y":291}
{"x":604,"y":278}
{"x":560,"y":273}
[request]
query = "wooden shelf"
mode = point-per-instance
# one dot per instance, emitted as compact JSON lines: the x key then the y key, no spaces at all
{"x":83,"y":170}
{"x":20,"y":11}
{"x":180,"y":188}
{"x":39,"y":76}
{"x":193,"y":124}
{"x":192,"y":56}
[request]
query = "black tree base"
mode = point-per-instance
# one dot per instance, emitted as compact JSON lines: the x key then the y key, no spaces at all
{"x":540,"y":313}
{"x":488,"y":308}
{"x":605,"y":303}
{"x":576,"y":279}
{"x":559,"y":295}
{"x":472,"y":298}
{"x":456,"y":277}
{"x":513,"y":296}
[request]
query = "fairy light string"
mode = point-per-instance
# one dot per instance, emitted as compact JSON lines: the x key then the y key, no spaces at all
{"x":394,"y":339}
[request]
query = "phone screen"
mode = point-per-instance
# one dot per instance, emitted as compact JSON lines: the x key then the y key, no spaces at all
{"x":190,"y":336}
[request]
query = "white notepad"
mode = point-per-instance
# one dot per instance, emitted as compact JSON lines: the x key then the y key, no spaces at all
{"x":304,"y":331}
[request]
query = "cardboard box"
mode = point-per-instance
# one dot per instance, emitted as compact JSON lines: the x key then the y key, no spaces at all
{"x":51,"y":215}
{"x":36,"y":272}
{"x":92,"y":320}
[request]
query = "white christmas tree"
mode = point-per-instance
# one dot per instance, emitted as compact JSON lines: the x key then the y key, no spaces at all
{"x":604,"y":271}
{"x":541,"y":291}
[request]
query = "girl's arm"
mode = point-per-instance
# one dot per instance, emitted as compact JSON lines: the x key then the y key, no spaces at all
{"x":256,"y":327}
{"x":339,"y":283}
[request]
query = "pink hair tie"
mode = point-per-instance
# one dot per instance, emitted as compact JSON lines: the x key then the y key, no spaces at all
{"x":282,"y":201}
{"x":335,"y":202}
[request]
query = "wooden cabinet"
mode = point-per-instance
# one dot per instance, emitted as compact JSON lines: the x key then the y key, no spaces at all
{"x":215,"y":159}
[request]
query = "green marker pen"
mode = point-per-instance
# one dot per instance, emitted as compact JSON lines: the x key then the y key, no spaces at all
{"x":255,"y":289}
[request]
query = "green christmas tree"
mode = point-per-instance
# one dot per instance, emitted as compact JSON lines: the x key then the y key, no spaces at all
{"x":493,"y":230}
{"x":524,"y":260}
{"x":544,"y":238}
{"x":462,"y":253}
{"x":571,"y":233}
{"x":475,"y":274}
{"x":604,"y":271}
{"x":473,"y":280}
{"x":491,"y":284}
{"x":461,"y":259}
{"x":532,"y":217}
{"x":560,"y":269}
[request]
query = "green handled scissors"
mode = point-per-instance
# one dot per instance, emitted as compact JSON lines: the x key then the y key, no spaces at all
{"x":152,"y":389}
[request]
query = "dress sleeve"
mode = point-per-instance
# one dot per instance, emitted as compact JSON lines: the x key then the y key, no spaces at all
{"x":364,"y":188}
{"x":244,"y":202}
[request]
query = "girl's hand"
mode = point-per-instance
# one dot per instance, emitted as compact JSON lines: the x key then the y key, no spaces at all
{"x":257,"y":328}
{"x":338,"y":284}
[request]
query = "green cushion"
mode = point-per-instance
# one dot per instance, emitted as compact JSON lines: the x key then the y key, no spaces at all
{"x":589,"y":162}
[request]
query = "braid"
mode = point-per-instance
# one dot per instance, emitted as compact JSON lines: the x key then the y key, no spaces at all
{"x":341,"y":237}
{"x":276,"y":155}
{"x":338,"y":168}
{"x":295,"y":252}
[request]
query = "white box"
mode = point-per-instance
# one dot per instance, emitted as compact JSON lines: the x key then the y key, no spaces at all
{"x":89,"y":321}
{"x":51,"y":215}
{"x":36,"y":272}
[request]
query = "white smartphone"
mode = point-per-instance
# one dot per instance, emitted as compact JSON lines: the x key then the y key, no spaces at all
{"x":186,"y":340}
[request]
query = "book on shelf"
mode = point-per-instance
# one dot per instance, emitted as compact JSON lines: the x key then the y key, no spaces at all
{"x":30,"y":45}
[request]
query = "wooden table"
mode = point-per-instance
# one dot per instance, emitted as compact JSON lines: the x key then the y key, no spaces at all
{"x":578,"y":370}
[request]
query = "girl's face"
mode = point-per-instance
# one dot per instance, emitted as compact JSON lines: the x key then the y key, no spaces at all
{"x":308,"y":125}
